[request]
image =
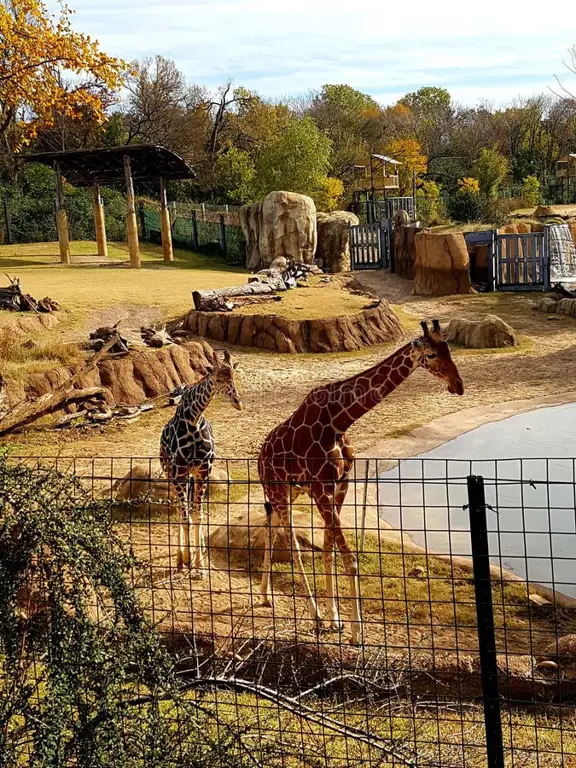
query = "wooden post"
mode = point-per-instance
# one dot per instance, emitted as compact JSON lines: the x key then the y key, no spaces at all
{"x":223,"y":236}
{"x":194,"y":231}
{"x":7,"y":223}
{"x":100,"y":224}
{"x":165,"y":224}
{"x":131,"y":223}
{"x":61,"y":219}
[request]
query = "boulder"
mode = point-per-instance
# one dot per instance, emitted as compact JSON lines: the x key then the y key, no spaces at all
{"x":333,"y":250}
{"x":441,"y":265}
{"x":543,"y":212}
{"x":489,"y":333}
{"x":567,"y":307}
{"x":243,"y":539}
{"x":282,"y":225}
{"x":147,"y":485}
{"x":547,"y":305}
{"x":405,"y":232}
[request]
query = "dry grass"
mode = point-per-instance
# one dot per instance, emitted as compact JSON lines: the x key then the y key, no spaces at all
{"x":18,"y":358}
{"x":317,"y":301}
{"x":88,"y":287}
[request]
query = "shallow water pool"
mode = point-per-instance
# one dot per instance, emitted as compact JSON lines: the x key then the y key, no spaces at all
{"x":533,"y":521}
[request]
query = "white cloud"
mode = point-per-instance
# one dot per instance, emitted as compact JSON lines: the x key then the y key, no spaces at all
{"x":494,"y":50}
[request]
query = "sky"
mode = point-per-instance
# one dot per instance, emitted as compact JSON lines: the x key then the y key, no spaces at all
{"x":480,"y":51}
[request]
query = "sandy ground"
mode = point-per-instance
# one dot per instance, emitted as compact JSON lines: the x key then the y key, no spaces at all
{"x":419,"y":415}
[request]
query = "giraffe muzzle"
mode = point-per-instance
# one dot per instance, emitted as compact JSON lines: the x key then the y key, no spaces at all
{"x":457,"y":388}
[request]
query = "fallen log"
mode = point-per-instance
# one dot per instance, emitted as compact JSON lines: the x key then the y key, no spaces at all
{"x":27,"y":412}
{"x":202,"y":299}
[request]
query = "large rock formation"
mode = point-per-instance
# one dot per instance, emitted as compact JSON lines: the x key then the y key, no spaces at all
{"x":488,"y":333}
{"x":333,"y":250}
{"x":282,"y":224}
{"x":404,"y":246}
{"x":442,"y":264}
{"x":374,"y":325}
{"x":130,"y":380}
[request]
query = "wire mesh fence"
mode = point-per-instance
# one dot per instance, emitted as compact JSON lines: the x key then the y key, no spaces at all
{"x":467,"y":585}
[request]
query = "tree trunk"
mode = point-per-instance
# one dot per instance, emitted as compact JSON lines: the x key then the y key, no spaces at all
{"x":206,"y":299}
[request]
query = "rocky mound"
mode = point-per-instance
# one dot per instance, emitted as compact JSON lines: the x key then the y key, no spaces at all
{"x":374,"y":325}
{"x":130,"y":380}
{"x":489,"y":333}
{"x":29,"y":323}
{"x":243,"y":539}
{"x":557,"y":306}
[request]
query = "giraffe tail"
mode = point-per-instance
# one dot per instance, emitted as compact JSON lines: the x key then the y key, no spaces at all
{"x":269,"y":510}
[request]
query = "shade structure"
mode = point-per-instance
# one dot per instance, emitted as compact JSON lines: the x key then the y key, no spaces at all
{"x":86,"y":167}
{"x":108,"y":167}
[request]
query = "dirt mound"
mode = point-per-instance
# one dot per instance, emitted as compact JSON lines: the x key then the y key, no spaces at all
{"x":374,"y":325}
{"x":29,"y":323}
{"x":488,"y":333}
{"x":442,"y":264}
{"x":244,"y":539}
{"x":141,"y":375}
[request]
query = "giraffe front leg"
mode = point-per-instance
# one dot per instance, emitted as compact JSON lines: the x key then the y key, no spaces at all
{"x":334,"y":622}
{"x":183,"y":556}
{"x":198,"y":488}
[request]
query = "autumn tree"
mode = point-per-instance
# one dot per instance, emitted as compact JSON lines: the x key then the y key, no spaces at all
{"x":37,"y":49}
{"x":296,"y":160}
{"x":490,"y":169}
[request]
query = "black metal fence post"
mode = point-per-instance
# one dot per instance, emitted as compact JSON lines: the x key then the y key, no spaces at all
{"x":195,"y":242}
{"x":142,"y":217}
{"x":7,"y":223}
{"x":485,"y":619}
{"x":223,"y":235}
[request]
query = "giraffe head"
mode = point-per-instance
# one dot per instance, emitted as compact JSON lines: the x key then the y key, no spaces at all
{"x":224,"y":372}
{"x":435,"y":357}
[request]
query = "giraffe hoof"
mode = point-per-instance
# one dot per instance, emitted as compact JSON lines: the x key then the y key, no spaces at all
{"x":357,"y":638}
{"x":198,"y":574}
{"x":266,"y":602}
{"x":334,"y":625}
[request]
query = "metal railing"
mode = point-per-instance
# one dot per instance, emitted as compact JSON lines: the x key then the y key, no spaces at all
{"x":467,"y":581}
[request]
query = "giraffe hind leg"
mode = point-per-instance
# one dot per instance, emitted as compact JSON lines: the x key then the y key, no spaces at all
{"x":196,"y":491}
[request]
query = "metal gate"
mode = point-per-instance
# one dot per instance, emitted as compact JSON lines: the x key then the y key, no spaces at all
{"x":370,"y":245}
{"x":522,"y":262}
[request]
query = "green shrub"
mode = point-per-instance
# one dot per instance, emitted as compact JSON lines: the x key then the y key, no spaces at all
{"x":530,"y":191}
{"x":465,"y":205}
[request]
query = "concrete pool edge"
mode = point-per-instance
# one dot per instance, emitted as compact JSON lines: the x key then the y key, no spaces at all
{"x":431,"y":436}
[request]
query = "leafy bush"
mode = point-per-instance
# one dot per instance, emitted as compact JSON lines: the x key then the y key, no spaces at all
{"x":530,"y":191}
{"x":84,"y":680}
{"x":465,"y":204}
{"x":497,"y":211}
{"x":490,"y":169}
{"x":429,"y":204}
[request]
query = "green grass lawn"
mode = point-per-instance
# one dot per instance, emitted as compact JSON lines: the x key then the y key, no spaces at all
{"x":86,"y":286}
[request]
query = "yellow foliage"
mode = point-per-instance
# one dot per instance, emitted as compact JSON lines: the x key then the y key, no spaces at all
{"x":329,"y":196}
{"x":36,"y":49}
{"x":409,"y":153}
{"x":469,"y":184}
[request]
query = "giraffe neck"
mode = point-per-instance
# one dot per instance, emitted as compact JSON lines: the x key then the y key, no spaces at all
{"x":195,"y":400}
{"x":352,"y":398}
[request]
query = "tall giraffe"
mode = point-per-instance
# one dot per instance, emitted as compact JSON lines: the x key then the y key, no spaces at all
{"x":187,"y":453}
{"x":310,"y":453}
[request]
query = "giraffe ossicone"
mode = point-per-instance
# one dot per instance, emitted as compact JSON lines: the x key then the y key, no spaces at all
{"x":187,"y":453}
{"x":310,"y":453}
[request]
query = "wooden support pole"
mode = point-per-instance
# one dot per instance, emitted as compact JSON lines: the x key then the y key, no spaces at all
{"x":61,"y":219}
{"x":131,"y":223}
{"x":100,"y":224}
{"x":165,"y":224}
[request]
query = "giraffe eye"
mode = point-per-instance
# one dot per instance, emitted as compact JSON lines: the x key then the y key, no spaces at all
{"x":431,"y":357}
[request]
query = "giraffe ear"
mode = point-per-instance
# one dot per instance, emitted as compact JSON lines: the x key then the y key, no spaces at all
{"x":236,"y":366}
{"x":436,"y":326}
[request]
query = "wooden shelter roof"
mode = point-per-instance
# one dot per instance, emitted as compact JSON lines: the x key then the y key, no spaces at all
{"x":85,"y":167}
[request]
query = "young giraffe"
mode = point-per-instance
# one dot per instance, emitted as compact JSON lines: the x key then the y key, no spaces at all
{"x":310,"y":453}
{"x":187,"y":453}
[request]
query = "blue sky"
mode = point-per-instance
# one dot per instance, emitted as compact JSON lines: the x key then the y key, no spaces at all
{"x":484,"y":50}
